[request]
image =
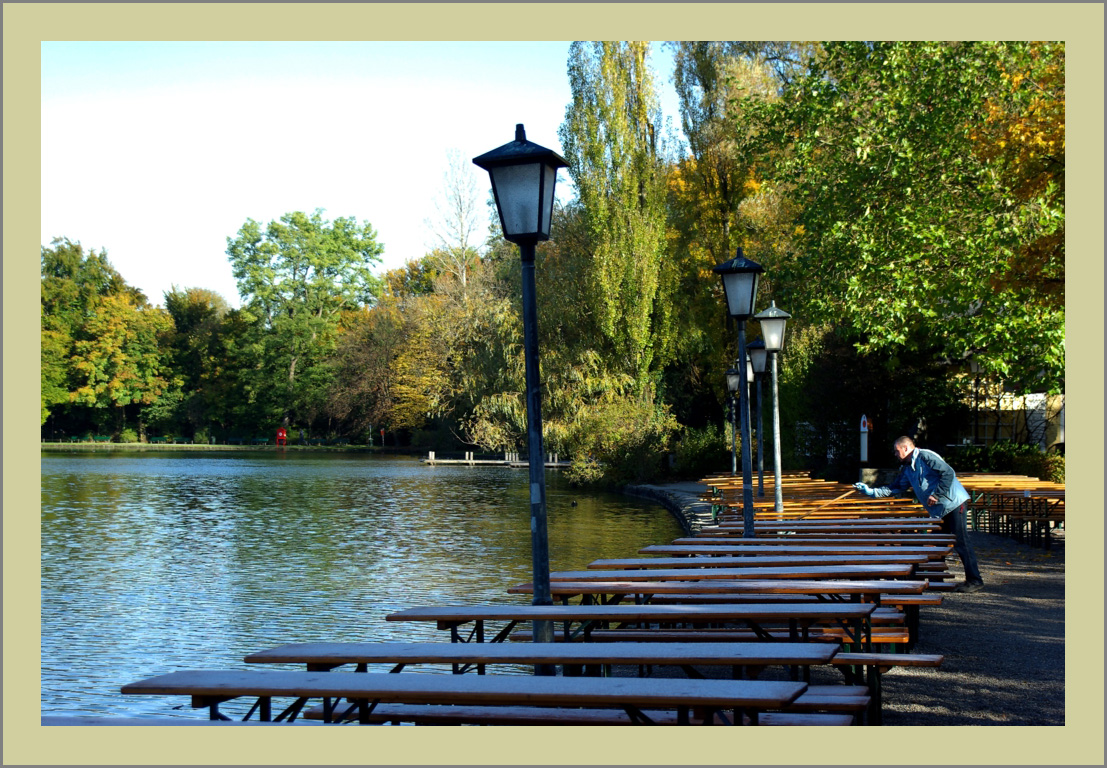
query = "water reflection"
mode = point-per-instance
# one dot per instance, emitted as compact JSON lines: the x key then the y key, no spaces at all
{"x":156,"y":562}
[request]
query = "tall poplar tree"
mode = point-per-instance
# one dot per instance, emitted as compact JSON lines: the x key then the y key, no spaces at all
{"x":612,"y":138}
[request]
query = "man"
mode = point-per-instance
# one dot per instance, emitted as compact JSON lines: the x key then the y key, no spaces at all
{"x":940,"y":492}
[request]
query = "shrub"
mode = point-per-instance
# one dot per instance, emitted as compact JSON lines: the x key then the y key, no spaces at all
{"x":1009,"y":457}
{"x":128,"y":435}
{"x":700,"y":452}
{"x":620,"y":442}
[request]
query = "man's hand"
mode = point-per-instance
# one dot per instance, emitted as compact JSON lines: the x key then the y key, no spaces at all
{"x":932,"y":500}
{"x":864,"y":489}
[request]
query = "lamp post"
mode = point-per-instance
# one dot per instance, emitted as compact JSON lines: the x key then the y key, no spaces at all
{"x":772,"y":322}
{"x":758,"y":359}
{"x":740,"y":277}
{"x":523,"y":175}
{"x":733,"y":381}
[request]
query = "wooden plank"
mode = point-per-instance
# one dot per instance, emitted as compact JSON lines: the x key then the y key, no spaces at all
{"x":864,"y":588}
{"x":667,"y":613}
{"x":471,"y":689}
{"x":935,"y":552}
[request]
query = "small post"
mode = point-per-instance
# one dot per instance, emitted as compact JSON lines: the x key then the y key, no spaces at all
{"x":864,"y":439}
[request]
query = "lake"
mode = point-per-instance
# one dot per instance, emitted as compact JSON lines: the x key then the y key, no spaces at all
{"x":155,"y":562}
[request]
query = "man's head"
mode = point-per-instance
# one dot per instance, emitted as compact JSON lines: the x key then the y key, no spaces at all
{"x":903,"y":447}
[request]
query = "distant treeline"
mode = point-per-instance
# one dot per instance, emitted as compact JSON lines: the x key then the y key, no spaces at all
{"x":906,"y":200}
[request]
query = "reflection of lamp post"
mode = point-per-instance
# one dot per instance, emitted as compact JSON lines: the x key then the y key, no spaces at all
{"x":772,"y":322}
{"x":733,"y":381}
{"x":740,"y":277}
{"x":523,"y":177}
{"x":758,"y":358}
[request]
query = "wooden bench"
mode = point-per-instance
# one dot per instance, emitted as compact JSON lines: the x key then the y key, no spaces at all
{"x":879,"y":635}
{"x":102,"y":438}
{"x":694,"y":701}
{"x":757,"y":561}
{"x":933,"y":552}
{"x":475,"y":715}
{"x":867,"y":668}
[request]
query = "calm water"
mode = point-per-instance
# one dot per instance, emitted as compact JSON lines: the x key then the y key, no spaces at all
{"x":158,"y":562}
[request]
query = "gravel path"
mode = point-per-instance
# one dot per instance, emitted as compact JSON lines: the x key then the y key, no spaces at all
{"x":1004,"y":646}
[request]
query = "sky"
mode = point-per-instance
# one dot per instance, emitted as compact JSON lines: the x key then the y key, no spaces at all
{"x":158,"y":152}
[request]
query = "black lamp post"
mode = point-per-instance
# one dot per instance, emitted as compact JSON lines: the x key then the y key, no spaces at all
{"x":772,"y":322}
{"x":740,"y":277}
{"x":733,"y":381}
{"x":523,"y":176}
{"x":758,"y":360}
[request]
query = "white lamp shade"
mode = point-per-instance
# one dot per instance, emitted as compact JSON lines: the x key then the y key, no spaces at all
{"x":772,"y":322}
{"x":524,"y":195}
{"x":749,"y":370}
{"x":733,"y":380}
{"x":741,"y":292}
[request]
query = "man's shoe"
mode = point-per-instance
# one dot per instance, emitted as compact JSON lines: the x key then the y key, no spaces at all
{"x":969,"y":586}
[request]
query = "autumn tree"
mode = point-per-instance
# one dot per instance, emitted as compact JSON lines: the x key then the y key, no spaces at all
{"x":197,"y":349}
{"x":296,"y":276}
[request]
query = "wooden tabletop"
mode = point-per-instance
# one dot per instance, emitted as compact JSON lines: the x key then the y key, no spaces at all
{"x":750,"y":586}
{"x":934,"y":552}
{"x":215,"y":685}
{"x":756,"y":560}
{"x":727,"y":536}
{"x":329,"y":655}
{"x":890,"y":571}
{"x":628,"y":612}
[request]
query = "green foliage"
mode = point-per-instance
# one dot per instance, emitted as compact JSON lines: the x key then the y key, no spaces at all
{"x":621,"y":442}
{"x":128,"y":435}
{"x":911,"y":234}
{"x":1009,"y":458}
{"x":701,"y":452}
{"x":613,"y":142}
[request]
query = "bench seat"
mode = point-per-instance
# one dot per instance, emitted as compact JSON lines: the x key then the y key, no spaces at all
{"x":477,"y":715}
{"x":880,"y":634}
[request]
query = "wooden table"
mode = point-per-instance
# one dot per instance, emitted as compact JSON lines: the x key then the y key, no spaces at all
{"x":715,"y":698}
{"x":729,"y":536}
{"x":852,"y":618}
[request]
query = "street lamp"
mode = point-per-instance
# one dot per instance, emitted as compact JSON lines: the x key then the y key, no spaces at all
{"x":772,"y":322}
{"x":523,"y":175}
{"x":758,"y":358}
{"x":740,"y":277}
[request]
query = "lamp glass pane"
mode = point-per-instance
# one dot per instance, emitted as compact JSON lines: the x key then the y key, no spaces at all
{"x":741,"y":292}
{"x":517,"y":195}
{"x":549,"y":178}
{"x":759,"y":356}
{"x":772,"y":331}
{"x":733,"y":379}
{"x":749,"y":371}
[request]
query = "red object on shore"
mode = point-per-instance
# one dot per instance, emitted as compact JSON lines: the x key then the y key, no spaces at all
{"x":282,"y":436}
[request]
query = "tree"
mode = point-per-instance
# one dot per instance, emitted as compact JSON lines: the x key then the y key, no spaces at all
{"x":911,"y":237}
{"x":296,"y":276}
{"x":73,"y":284}
{"x":196,"y":345}
{"x":613,"y":142}
{"x":118,"y":356}
{"x":455,"y":228}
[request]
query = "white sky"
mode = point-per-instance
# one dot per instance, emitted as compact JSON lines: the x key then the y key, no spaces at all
{"x":158,"y":152}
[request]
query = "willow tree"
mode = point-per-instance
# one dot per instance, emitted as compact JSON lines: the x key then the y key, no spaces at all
{"x":612,"y":138}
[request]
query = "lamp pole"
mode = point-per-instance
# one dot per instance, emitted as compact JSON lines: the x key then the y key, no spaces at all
{"x":758,"y":354}
{"x":523,"y":176}
{"x":772,"y":322}
{"x":740,"y":277}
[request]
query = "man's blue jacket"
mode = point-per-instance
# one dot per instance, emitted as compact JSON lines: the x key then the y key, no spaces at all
{"x":927,"y":473}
